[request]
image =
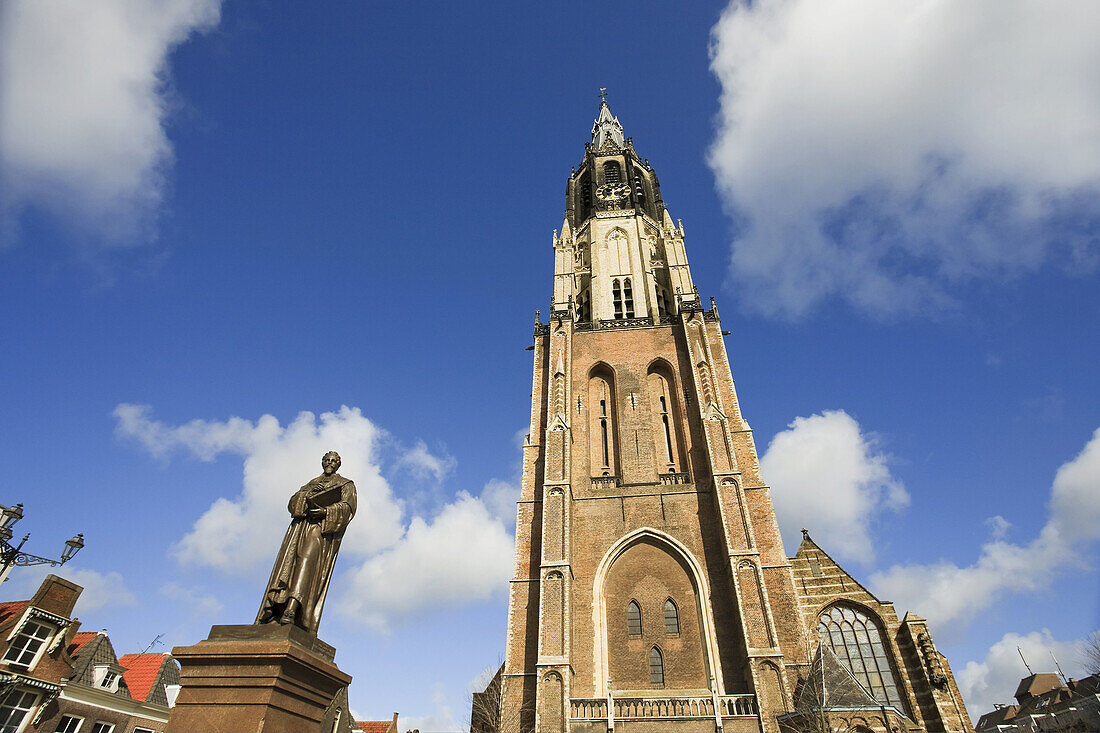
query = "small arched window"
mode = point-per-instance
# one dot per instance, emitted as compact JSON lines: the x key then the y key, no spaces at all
{"x":633,"y":619}
{"x":628,"y":296}
{"x":639,"y":189}
{"x":656,"y":668}
{"x":672,"y":618}
{"x":617,"y":298}
{"x":612,"y":173}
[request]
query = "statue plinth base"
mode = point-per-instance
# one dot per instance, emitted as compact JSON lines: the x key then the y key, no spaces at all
{"x":255,"y":679}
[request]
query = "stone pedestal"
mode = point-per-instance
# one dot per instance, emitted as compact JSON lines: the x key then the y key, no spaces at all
{"x":255,"y":679}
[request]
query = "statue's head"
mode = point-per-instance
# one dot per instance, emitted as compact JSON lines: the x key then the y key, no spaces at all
{"x":330,"y":462}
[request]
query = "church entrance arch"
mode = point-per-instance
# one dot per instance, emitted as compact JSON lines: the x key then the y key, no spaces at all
{"x":689,"y":649}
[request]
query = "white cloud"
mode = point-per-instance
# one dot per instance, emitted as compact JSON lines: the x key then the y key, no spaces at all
{"x":100,"y":590}
{"x":242,"y":533}
{"x":886,"y":153}
{"x":440,"y":720}
{"x":994,"y":679}
{"x":83,"y":103}
{"x":201,"y":606}
{"x":827,"y":475}
{"x":500,"y":499}
{"x":946,"y":593}
{"x":423,"y":464}
{"x":463,"y":554}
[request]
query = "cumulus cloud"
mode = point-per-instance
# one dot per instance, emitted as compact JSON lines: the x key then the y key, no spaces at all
{"x":423,"y":464}
{"x":885,"y":154}
{"x":994,"y":679}
{"x":441,"y":719}
{"x":828,"y":476}
{"x":200,"y":605}
{"x":947,"y":593}
{"x":100,"y":589}
{"x":401,"y":568}
{"x":239,"y":534}
{"x":462,"y":554}
{"x":83,"y":103}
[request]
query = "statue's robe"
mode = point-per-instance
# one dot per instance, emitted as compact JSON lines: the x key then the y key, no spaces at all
{"x":307,"y":556}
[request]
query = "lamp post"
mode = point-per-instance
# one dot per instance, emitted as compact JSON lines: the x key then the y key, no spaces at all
{"x":10,"y":556}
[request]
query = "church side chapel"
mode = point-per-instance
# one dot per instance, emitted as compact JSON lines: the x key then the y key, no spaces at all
{"x":651,"y":589}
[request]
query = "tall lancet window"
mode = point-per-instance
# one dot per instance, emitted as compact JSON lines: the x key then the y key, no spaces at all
{"x":667,"y":443}
{"x":628,"y":298}
{"x":612,"y":173}
{"x":601,"y":422}
{"x":617,"y":298}
{"x":604,"y":442}
{"x":639,"y":189}
{"x":668,"y":430}
{"x":662,"y":303}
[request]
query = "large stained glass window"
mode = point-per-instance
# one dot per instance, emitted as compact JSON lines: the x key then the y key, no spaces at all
{"x":856,"y":640}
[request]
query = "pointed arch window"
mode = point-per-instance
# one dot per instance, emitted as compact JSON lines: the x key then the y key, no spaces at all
{"x":856,"y":640}
{"x":612,"y":173}
{"x":584,"y":307}
{"x":617,"y":298}
{"x":605,"y":443}
{"x":672,"y":618}
{"x":662,"y":304}
{"x":628,"y":298}
{"x":667,"y":427}
{"x":656,"y":668}
{"x":639,"y":189}
{"x":633,"y":619}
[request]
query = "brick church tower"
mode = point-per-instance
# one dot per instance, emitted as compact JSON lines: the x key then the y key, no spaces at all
{"x":651,"y":590}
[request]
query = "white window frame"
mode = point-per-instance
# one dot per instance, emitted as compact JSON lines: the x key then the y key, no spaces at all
{"x":23,"y":633}
{"x":29,"y":714}
{"x":79,"y":722}
{"x":109,"y":729}
{"x":99,"y":676}
{"x":144,"y":730}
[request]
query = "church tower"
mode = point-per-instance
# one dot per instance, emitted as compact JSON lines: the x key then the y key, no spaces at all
{"x":651,"y":591}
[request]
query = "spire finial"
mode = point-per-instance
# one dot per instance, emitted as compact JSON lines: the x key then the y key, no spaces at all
{"x":603,"y":95}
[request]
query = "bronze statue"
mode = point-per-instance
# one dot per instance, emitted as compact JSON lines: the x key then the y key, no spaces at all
{"x":320,"y":511}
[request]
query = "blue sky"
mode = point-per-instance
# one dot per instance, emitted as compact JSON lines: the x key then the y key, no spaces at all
{"x":217,"y":217}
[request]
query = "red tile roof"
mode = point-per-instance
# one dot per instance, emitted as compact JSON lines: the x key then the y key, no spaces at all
{"x":374,"y":726}
{"x":11,"y":609}
{"x":80,"y":638}
{"x":141,"y":672}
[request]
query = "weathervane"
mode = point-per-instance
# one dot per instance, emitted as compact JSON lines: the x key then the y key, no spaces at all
{"x":603,"y":95}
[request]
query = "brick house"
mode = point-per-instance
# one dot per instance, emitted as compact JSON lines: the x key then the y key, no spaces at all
{"x":57,"y":679}
{"x":1045,"y":703}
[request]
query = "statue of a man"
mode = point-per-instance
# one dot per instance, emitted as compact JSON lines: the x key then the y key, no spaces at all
{"x":320,"y":512}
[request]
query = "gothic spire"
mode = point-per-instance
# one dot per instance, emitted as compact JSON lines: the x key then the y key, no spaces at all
{"x":606,"y":127}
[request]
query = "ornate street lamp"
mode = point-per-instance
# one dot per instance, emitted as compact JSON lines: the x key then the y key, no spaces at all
{"x":11,"y":556}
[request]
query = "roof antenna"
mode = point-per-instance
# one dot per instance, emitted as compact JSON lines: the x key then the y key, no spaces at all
{"x":1021,"y":651}
{"x":153,"y":643}
{"x":1058,"y":667}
